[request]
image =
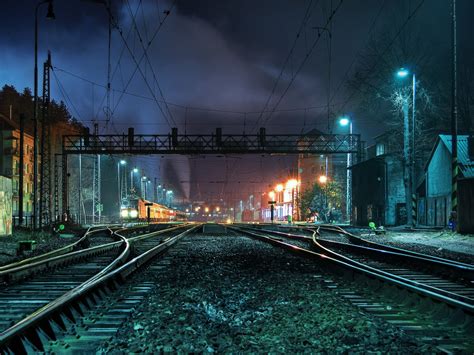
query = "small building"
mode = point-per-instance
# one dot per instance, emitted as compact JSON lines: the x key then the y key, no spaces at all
{"x":434,"y":202}
{"x":378,"y":190}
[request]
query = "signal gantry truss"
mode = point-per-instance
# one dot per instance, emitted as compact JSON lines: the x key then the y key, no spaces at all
{"x":212,"y":144}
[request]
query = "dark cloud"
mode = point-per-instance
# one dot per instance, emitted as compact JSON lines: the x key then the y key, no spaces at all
{"x":220,"y":54}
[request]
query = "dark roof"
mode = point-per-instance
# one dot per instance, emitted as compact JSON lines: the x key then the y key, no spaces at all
{"x":7,"y":124}
{"x":466,"y":166}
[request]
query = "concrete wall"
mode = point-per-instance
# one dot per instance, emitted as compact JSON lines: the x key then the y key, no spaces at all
{"x":438,"y":174}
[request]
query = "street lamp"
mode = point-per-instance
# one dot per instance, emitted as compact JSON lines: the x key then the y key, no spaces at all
{"x":347,"y":121}
{"x":119,"y":180}
{"x":133,"y":171}
{"x":323,"y":179}
{"x":50,"y":15}
{"x":292,"y":184}
{"x":409,"y":156}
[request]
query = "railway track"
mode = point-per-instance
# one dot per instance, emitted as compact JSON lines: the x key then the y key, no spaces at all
{"x":34,"y":310}
{"x":436,"y":306}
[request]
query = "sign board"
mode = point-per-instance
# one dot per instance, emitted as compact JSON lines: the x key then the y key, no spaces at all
{"x":271,"y":202}
{"x":148,"y":204}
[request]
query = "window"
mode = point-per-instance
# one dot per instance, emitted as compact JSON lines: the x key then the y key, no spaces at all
{"x":380,"y":149}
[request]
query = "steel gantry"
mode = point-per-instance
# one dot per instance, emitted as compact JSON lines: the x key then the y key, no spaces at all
{"x":45,"y":195}
{"x":216,"y":143}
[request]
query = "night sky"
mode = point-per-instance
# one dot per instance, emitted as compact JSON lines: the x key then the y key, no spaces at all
{"x":219,"y":55}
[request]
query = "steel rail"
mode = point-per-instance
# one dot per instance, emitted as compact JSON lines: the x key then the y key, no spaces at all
{"x":352,"y":266}
{"x":359,"y":240}
{"x":63,"y":250}
{"x":19,"y":270}
{"x":441,"y":265}
{"x":28,"y":330}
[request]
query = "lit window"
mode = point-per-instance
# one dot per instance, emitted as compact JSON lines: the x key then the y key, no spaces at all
{"x":380,"y":149}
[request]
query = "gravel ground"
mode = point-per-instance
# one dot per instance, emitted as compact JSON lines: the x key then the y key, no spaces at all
{"x":233,"y":294}
{"x":44,"y":243}
{"x":444,"y":244}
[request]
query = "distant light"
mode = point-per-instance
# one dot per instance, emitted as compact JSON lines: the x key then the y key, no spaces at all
{"x":143,"y":178}
{"x":323,"y":179}
{"x":229,"y":221}
{"x":123,"y":162}
{"x":169,"y":191}
{"x":218,"y":209}
{"x":291,"y":184}
{"x":135,"y":170}
{"x":124,"y":213}
{"x":402,"y":73}
{"x":206,"y":209}
{"x":344,"y":121}
{"x":187,"y":209}
{"x":271,"y":194}
{"x":134,"y":213}
{"x":279,"y":188}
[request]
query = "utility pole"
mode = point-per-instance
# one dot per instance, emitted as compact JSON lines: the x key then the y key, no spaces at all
{"x":22,"y":171}
{"x":45,"y":148}
{"x":454,"y":116}
{"x":407,"y":162}
{"x":96,"y":205}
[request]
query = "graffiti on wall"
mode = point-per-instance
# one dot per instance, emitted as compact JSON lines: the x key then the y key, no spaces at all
{"x":5,"y":206}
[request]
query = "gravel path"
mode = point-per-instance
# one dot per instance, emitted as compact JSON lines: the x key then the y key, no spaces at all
{"x":233,"y":294}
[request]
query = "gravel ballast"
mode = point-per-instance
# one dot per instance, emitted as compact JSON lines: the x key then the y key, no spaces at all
{"x":234,"y":294}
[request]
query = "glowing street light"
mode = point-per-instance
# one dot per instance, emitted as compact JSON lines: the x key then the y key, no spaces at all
{"x":347,"y":121}
{"x":279,"y":188}
{"x":402,"y":72}
{"x":123,"y":162}
{"x":409,"y":156}
{"x":291,"y":184}
{"x":272,"y":195}
{"x":206,"y":209}
{"x":323,"y":179}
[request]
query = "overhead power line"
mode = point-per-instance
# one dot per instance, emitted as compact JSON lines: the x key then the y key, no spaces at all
{"x":306,"y":16}
{"x":380,"y":56}
{"x":329,"y":20}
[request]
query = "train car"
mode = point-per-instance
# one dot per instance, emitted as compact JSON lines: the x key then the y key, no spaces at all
{"x":136,"y":209}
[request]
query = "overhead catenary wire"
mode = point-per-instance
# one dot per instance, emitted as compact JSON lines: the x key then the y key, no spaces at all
{"x":371,"y":28}
{"x":148,"y":60}
{"x":137,"y":63}
{"x":306,"y":16}
{"x":196,"y":108}
{"x":379,"y":57}
{"x":330,"y":18}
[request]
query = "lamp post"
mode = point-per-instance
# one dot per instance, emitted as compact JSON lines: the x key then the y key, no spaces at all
{"x":347,"y":121}
{"x":50,"y":15}
{"x":133,"y":171}
{"x":119,"y":180}
{"x":409,"y":152}
{"x":323,"y":180}
{"x":292,"y":184}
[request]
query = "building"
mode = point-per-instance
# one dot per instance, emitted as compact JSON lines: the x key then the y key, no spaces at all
{"x":6,"y":219}
{"x":378,"y":190}
{"x":434,"y":195}
{"x":10,"y":163}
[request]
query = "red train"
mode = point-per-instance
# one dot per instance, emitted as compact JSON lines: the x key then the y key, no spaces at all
{"x":136,"y":209}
